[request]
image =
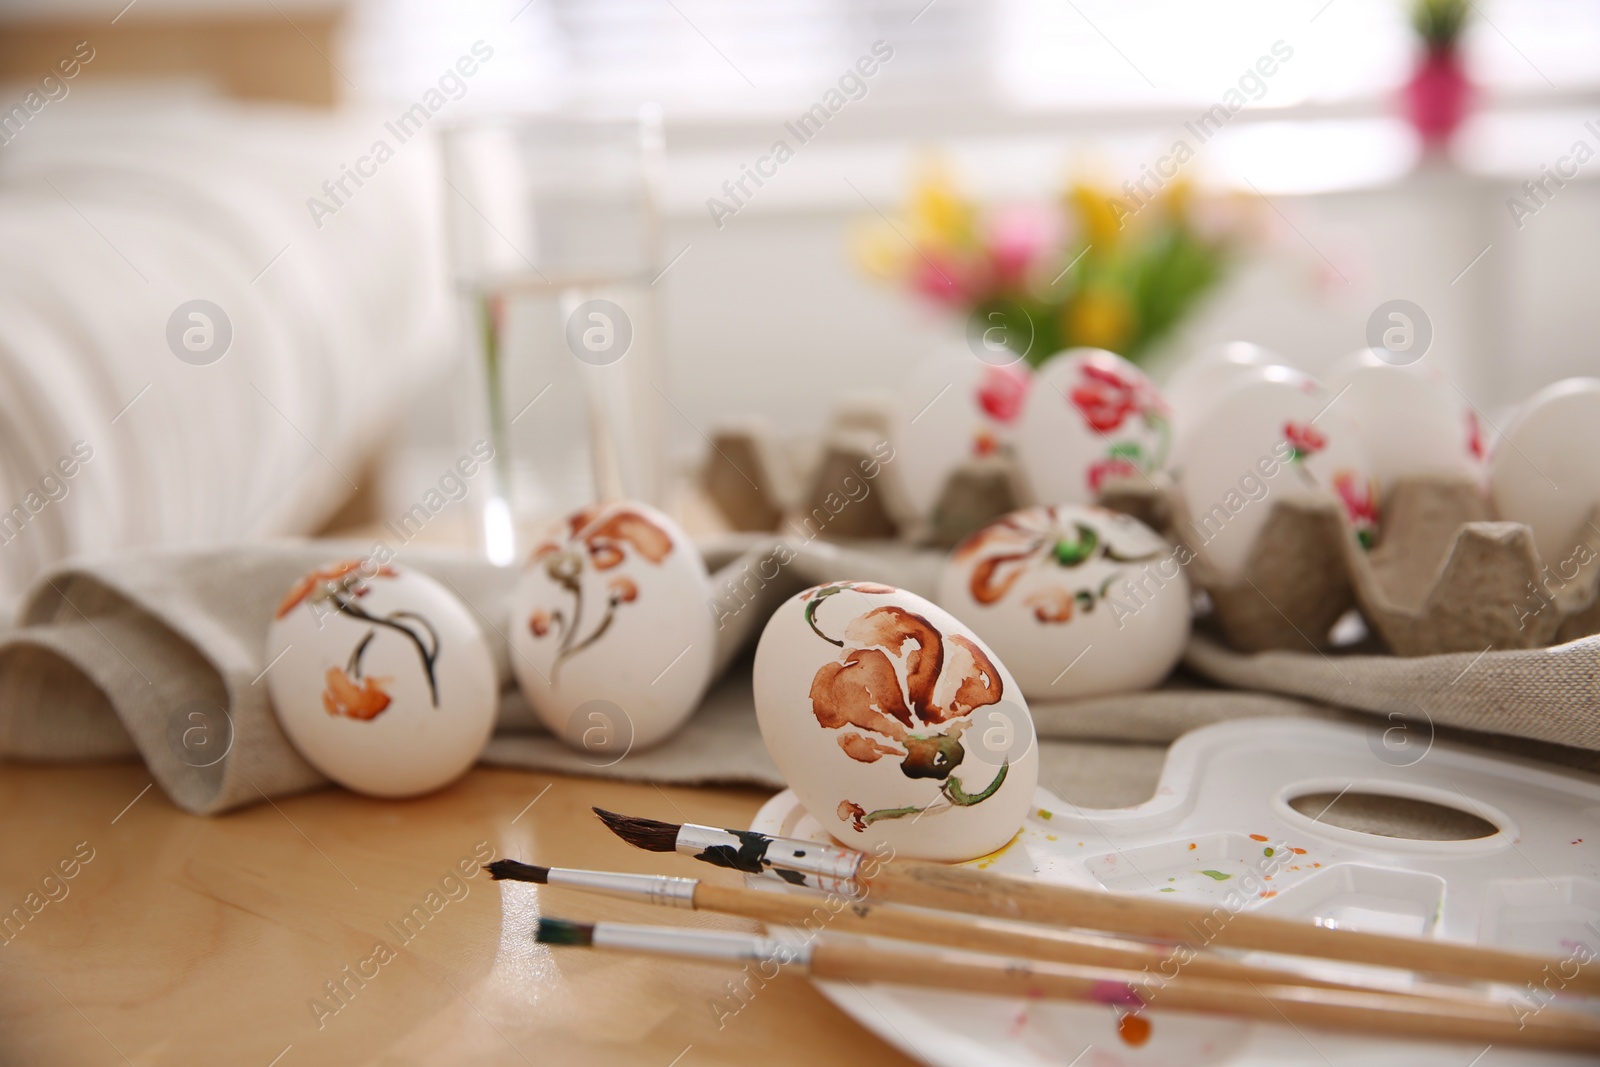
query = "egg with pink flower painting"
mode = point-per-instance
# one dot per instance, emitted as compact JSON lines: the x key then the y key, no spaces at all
{"x":1079,"y":601}
{"x":380,"y":677}
{"x":1091,"y":418}
{"x":1276,"y":435}
{"x":954,"y":408}
{"x":611,"y":638}
{"x":894,"y":723}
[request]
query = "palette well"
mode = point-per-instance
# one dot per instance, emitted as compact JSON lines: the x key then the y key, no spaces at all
{"x":1230,"y":825}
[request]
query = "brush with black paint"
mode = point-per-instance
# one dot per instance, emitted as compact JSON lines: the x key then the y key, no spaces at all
{"x":853,"y":874}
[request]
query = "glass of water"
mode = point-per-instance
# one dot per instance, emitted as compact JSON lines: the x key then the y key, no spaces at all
{"x":553,"y":228}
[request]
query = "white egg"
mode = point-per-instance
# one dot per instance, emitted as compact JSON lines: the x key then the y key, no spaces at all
{"x":1410,"y":421}
{"x":1078,"y":601}
{"x":1544,"y":471}
{"x":1091,"y":416}
{"x":381,"y":678}
{"x":894,"y":723}
{"x":1270,"y":438}
{"x":611,"y":629}
{"x":1199,"y":380}
{"x":953,"y":407}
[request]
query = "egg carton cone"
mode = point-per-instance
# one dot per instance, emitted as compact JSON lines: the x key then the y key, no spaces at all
{"x":975,"y":494}
{"x":1442,"y":577}
{"x":1295,"y":583}
{"x":850,"y":495}
{"x":845,"y":487}
{"x":749,"y":475}
{"x":1445,"y":577}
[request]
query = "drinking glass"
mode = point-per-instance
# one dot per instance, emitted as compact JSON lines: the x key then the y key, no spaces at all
{"x":553,"y":231}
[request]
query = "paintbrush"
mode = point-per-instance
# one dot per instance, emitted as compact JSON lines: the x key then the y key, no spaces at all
{"x":849,"y":873}
{"x":1158,"y":964}
{"x":834,"y":958}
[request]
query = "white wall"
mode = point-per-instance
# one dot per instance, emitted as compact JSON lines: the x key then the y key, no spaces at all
{"x":770,"y":315}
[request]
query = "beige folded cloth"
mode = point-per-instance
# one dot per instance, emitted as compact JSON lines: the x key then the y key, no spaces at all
{"x":108,"y":658}
{"x":1543,"y":702}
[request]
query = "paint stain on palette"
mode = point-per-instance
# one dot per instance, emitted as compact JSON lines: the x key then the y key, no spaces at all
{"x":894,"y":723}
{"x":1090,"y":417}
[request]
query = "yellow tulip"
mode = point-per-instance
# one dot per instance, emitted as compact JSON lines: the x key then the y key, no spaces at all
{"x":1099,"y":318}
{"x":1099,"y":219}
{"x":940,"y":215}
{"x":1176,"y":198}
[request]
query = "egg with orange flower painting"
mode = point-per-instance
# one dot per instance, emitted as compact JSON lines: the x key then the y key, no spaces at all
{"x":893,"y":723}
{"x":612,"y":638}
{"x":1080,"y":601}
{"x":380,"y":677}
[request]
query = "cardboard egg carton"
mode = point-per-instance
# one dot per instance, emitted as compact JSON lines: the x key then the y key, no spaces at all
{"x":1442,"y":576}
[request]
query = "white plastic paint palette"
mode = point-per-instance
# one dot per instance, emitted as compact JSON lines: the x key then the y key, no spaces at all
{"x":1224,"y":799}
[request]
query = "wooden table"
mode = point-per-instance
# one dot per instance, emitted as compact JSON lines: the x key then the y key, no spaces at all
{"x":188,"y":940}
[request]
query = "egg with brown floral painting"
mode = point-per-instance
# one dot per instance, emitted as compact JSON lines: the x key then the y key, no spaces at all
{"x":612,"y":638}
{"x":1080,"y":601}
{"x":380,"y":677}
{"x":893,"y":723}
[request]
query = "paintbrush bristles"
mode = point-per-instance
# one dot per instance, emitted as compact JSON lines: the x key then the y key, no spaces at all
{"x":648,"y":834}
{"x":562,"y":932}
{"x":501,"y":870}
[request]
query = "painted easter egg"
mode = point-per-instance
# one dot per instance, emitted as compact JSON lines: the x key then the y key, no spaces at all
{"x":1409,"y":419}
{"x":894,"y":723}
{"x":953,"y":408}
{"x":381,"y":678}
{"x":1078,"y":601}
{"x":611,"y":637}
{"x":1090,"y":417}
{"x":1544,"y":473}
{"x":1273,"y":437}
{"x":1200,"y":380}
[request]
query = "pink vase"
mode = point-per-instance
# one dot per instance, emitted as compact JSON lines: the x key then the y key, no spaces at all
{"x":1437,"y":96}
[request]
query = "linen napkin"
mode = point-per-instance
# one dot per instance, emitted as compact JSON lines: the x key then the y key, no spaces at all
{"x":109,"y":660}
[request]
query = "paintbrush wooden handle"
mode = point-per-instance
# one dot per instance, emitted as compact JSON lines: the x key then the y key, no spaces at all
{"x":1382,"y":1013}
{"x":984,"y":934}
{"x":1001,"y":896}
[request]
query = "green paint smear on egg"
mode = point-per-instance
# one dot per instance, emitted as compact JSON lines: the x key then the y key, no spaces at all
{"x":1217,"y":875}
{"x":1046,"y":814}
{"x":1266,"y":852}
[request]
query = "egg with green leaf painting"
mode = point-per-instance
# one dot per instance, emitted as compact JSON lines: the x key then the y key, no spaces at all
{"x":894,"y":723}
{"x":1079,"y":601}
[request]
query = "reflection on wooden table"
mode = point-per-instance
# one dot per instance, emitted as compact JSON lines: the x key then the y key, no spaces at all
{"x":330,"y":928}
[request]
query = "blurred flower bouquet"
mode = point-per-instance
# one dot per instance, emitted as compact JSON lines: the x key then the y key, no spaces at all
{"x":1098,"y":267}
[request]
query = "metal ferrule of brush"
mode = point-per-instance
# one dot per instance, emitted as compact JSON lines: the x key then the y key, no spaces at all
{"x":701,"y":944}
{"x":654,"y":888}
{"x":827,"y":868}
